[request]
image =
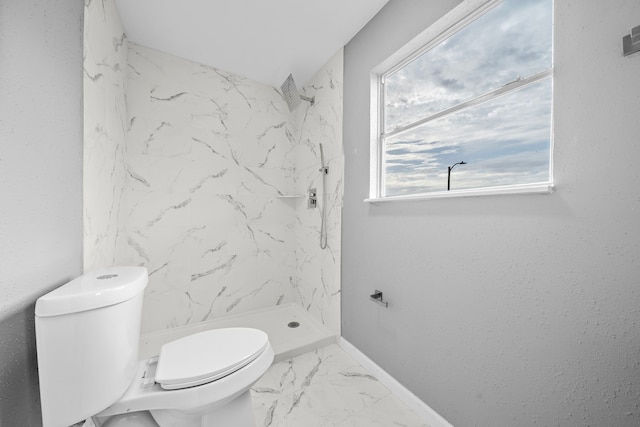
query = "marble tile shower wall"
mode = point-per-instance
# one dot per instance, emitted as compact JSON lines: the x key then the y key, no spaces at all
{"x":183,"y":166}
{"x":208,"y":155}
{"x":105,"y":123}
{"x":317,"y":270}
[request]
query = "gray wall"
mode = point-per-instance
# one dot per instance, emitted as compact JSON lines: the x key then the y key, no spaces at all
{"x":509,"y":310}
{"x":40,"y":181}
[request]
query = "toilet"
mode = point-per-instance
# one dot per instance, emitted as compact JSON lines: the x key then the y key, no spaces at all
{"x":87,"y":334}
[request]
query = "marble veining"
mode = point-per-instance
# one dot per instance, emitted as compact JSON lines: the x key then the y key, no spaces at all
{"x":186,"y":169}
{"x":326,"y":388}
{"x":207,"y":150}
{"x":105,"y":122}
{"x":321,"y":388}
{"x":318,"y":271}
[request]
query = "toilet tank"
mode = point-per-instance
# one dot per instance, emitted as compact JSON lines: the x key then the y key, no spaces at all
{"x":87,"y":334}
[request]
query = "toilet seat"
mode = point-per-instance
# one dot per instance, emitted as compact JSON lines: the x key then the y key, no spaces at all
{"x":208,"y":356}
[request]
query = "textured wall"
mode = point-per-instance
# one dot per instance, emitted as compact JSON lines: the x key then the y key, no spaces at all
{"x":511,"y":310}
{"x":105,"y":130}
{"x":40,"y":181}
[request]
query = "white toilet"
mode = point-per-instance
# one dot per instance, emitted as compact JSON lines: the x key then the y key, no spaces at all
{"x":87,"y":334}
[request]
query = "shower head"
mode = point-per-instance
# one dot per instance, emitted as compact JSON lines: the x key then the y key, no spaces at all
{"x":291,"y":94}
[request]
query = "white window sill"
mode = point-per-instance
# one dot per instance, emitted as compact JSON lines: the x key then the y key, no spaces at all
{"x":540,"y":188}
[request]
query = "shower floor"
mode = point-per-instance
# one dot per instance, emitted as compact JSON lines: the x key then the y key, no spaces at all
{"x":286,"y":342}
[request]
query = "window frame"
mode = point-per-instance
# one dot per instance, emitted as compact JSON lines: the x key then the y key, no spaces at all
{"x":458,"y":18}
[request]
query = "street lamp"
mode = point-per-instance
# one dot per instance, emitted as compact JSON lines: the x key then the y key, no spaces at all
{"x":449,"y":174}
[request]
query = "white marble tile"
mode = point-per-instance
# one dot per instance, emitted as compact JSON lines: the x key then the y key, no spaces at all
{"x":387,"y":412}
{"x":206,"y":158}
{"x":105,"y":114}
{"x":196,"y":158}
{"x":326,"y":388}
{"x":318,"y":271}
{"x":316,"y":366}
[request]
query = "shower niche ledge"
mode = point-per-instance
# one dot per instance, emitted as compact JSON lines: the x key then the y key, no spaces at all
{"x":290,"y":196}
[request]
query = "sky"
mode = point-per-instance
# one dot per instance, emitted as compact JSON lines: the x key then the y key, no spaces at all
{"x":505,"y":140}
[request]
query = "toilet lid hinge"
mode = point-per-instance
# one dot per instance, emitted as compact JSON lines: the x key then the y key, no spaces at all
{"x":149,"y":374}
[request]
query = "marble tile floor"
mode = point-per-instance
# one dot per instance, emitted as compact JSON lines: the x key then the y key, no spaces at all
{"x":326,"y":388}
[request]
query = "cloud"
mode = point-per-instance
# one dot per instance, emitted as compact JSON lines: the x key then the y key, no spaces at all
{"x":510,"y":41}
{"x":504,"y":141}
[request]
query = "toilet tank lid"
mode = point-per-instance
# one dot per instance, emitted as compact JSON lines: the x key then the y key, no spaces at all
{"x":95,"y":289}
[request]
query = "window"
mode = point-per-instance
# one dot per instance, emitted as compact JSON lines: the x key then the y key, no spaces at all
{"x":470,"y":110}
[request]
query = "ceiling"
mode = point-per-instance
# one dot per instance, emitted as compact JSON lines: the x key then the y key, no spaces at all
{"x":263,"y":40}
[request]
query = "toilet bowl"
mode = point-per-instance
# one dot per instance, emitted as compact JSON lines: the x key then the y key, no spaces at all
{"x":204,"y":376}
{"x":87,"y":334}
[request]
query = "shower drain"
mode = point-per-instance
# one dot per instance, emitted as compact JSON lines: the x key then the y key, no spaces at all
{"x":293,"y":324}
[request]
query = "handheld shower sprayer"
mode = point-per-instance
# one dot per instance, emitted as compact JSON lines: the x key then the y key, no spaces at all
{"x":324,"y":170}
